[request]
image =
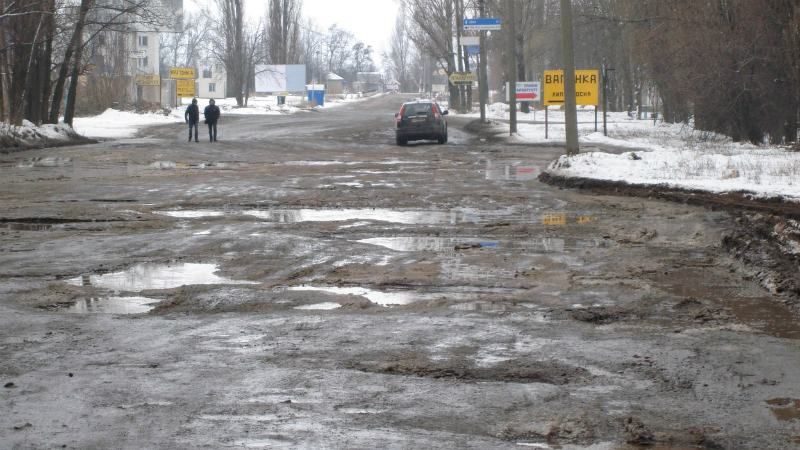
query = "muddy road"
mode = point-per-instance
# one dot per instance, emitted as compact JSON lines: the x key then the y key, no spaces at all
{"x":305,"y":283}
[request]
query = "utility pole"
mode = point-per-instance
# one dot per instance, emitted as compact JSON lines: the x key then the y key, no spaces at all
{"x":511,"y":71}
{"x":570,"y":113}
{"x":483,"y":81}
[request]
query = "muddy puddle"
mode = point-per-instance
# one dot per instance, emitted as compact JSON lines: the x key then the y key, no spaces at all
{"x":766,"y":315}
{"x":406,"y":217}
{"x":383,"y":298}
{"x":324,"y":306}
{"x":511,"y":172}
{"x":444,"y":245}
{"x":112,"y":305}
{"x":155,"y":276}
{"x":785,"y":409}
{"x":22,"y":226}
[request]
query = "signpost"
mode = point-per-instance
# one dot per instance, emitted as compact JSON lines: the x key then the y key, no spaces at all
{"x":463,"y":78}
{"x":587,"y":88}
{"x":185,"y":88}
{"x":138,"y":54}
{"x":482,"y":24}
{"x":529,"y":91}
{"x":468,"y":41}
{"x":148,"y":80}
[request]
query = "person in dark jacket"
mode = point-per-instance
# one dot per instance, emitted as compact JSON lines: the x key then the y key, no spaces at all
{"x":212,"y":116}
{"x":192,"y":117}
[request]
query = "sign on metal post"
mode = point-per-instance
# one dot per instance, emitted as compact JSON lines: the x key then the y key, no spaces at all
{"x":529,"y":91}
{"x":137,"y":54}
{"x":148,"y":80}
{"x":468,"y":41}
{"x":473,"y":50}
{"x":185,"y":88}
{"x":182,"y":73}
{"x":587,"y":83}
{"x":482,"y":24}
{"x":463,"y":78}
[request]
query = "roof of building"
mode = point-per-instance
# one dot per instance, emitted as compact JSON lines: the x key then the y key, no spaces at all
{"x":333,"y":77}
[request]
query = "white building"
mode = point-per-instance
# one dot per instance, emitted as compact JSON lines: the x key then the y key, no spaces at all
{"x":211,"y":80}
{"x":144,"y":64}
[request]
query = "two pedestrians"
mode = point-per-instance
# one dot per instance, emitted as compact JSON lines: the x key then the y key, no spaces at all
{"x":192,"y":117}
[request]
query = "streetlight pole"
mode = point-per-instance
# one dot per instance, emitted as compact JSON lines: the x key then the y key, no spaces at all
{"x":512,"y":67}
{"x":483,"y":82}
{"x":570,"y":113}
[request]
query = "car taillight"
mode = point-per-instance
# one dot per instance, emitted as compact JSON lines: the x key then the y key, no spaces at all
{"x":436,"y":114}
{"x":400,"y":114}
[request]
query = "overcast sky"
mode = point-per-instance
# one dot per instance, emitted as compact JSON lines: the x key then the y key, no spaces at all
{"x":371,"y":21}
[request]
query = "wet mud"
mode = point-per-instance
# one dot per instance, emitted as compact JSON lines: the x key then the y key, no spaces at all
{"x":306,"y":283}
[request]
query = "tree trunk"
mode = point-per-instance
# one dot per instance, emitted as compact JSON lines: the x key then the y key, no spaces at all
{"x":69,"y":109}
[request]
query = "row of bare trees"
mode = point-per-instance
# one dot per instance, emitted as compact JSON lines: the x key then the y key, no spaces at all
{"x":43,"y":49}
{"x":730,"y":66}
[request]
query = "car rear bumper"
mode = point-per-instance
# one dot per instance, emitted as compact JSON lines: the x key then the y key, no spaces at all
{"x":419,"y":133}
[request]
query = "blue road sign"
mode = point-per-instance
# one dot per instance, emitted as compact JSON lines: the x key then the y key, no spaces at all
{"x":473,"y":50}
{"x":482,"y":24}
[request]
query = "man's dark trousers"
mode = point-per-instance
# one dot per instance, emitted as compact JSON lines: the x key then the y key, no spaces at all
{"x":194,"y":125}
{"x":212,"y":130}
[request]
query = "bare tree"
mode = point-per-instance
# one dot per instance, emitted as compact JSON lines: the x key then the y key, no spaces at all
{"x":231,"y":50}
{"x":336,"y":44}
{"x":283,"y":31}
{"x":433,"y":34}
{"x":400,"y":52}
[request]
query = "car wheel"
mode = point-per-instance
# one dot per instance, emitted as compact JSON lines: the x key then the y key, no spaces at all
{"x":442,"y":139}
{"x":401,"y":141}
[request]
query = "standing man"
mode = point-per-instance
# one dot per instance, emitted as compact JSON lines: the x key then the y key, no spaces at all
{"x":212,"y":115}
{"x":192,"y":117}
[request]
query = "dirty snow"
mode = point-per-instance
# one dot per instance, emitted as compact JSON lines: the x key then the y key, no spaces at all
{"x":674,"y":155}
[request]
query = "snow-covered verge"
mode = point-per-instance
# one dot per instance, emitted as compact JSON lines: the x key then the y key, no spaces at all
{"x":31,"y":136}
{"x":673,"y":155}
{"x":114,"y":124}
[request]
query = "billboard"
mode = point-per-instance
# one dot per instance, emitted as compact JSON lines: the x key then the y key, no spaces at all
{"x":281,"y":78}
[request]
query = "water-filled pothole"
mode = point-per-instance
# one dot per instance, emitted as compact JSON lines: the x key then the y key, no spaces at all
{"x":112,"y":305}
{"x":408,"y":217}
{"x":324,"y":306}
{"x":156,"y":276}
{"x":382,"y":298}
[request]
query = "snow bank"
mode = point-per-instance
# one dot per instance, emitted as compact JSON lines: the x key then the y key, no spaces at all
{"x":121,"y":124}
{"x":29,"y":135}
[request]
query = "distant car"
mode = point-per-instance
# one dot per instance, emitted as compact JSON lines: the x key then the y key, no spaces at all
{"x":421,"y":119}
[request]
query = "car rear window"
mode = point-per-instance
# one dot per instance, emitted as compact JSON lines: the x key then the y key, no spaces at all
{"x":414,"y":109}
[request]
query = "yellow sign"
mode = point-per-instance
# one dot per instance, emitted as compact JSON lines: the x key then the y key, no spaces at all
{"x":148,"y":80}
{"x":185,"y":88}
{"x":463,"y":77}
{"x":587,"y":87}
{"x":182,"y":73}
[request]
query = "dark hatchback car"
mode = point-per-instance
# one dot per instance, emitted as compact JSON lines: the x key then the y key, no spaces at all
{"x":420,"y":120}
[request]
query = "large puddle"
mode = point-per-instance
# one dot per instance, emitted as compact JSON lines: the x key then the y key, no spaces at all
{"x":446,"y":245}
{"x":382,"y":298}
{"x":407,"y":217}
{"x":511,"y":172}
{"x":156,"y":276}
{"x":113,"y":305}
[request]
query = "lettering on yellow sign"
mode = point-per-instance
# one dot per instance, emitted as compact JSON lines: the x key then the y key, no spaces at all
{"x":587,"y":87}
{"x":182,"y":73}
